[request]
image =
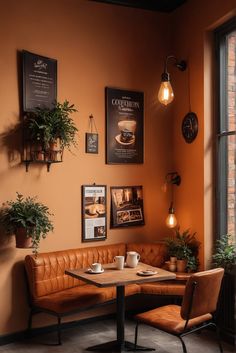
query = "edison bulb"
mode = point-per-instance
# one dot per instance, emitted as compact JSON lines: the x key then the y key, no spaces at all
{"x":165,"y":94}
{"x":171,"y":220}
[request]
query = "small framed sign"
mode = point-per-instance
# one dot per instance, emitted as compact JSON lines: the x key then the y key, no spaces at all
{"x":91,"y":142}
{"x":91,"y":138}
{"x":94,"y":209}
{"x":39,"y":81}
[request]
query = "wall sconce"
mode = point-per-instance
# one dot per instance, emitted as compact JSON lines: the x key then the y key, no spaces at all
{"x":173,"y":179}
{"x":166,"y":94}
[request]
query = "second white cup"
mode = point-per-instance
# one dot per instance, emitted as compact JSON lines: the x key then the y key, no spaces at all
{"x":119,"y":261}
{"x":96,"y":267}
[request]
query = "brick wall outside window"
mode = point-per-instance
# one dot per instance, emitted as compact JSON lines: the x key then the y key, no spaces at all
{"x":231,"y":69}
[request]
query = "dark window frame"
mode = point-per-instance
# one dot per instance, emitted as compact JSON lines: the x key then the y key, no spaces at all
{"x":222,"y":132}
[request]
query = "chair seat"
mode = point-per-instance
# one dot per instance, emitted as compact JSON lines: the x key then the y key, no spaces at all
{"x":167,"y":318}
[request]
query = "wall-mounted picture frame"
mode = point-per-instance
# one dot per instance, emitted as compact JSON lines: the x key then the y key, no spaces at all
{"x":124,"y":126}
{"x":91,"y":142}
{"x":127,"y":206}
{"x":94,"y":213}
{"x":39,"y":81}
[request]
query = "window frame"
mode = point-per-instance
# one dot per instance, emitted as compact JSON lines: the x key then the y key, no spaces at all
{"x":221,"y":126}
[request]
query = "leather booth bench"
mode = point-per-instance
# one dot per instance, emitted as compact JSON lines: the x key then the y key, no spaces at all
{"x":54,"y":292}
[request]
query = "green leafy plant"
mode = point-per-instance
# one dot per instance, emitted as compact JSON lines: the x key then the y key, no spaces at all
{"x":184,"y":246}
{"x":29,"y":214}
{"x":46,"y":125}
{"x":225,"y":253}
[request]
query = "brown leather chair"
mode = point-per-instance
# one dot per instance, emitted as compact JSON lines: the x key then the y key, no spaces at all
{"x":198,"y":306}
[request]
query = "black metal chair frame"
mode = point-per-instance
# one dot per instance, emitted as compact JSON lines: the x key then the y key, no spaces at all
{"x":186,"y":331}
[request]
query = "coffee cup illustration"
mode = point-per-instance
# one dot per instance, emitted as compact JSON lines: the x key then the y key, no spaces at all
{"x":127,"y":131}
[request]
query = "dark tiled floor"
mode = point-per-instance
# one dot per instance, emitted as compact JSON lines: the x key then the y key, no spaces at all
{"x":75,"y":340}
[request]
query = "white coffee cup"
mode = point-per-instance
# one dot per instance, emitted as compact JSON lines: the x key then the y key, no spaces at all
{"x":119,"y":261}
{"x":96,"y":267}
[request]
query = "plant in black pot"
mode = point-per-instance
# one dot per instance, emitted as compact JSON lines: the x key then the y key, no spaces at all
{"x":27,"y":219}
{"x":51,"y":130}
{"x":225,"y":256}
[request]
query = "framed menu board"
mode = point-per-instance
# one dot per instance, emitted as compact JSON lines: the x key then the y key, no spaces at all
{"x":94,"y":224}
{"x":39,"y":81}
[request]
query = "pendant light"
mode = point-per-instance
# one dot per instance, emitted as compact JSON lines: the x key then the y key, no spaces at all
{"x":172,"y":179}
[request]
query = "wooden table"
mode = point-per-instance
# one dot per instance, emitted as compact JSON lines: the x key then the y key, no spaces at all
{"x":120,"y":278}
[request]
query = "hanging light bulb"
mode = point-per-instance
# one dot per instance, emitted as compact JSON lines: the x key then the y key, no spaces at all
{"x":165,"y":94}
{"x":171,"y":220}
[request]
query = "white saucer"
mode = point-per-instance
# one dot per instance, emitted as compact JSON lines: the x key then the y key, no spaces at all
{"x":146,"y":273}
{"x":89,"y":270}
{"x":124,"y":143}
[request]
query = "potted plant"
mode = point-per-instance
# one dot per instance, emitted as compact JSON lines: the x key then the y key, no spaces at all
{"x":225,"y":256}
{"x":184,"y":246}
{"x":27,"y":219}
{"x":51,"y":130}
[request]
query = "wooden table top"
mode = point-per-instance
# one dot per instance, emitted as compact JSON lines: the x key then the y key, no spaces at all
{"x":113,"y":277}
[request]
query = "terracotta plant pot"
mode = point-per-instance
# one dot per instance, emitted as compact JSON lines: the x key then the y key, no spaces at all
{"x":181,"y":265}
{"x":22,"y":241}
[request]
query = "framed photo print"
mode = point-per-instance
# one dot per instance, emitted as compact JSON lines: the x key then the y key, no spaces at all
{"x":94,"y":224}
{"x":39,"y":81}
{"x":126,"y":206}
{"x":124,"y":126}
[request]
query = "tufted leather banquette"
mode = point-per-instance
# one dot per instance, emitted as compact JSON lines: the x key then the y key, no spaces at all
{"x":52,"y":291}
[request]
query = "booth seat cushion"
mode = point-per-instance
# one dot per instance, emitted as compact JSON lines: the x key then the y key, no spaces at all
{"x":163,"y":288}
{"x":81,"y":297}
{"x":153,"y":254}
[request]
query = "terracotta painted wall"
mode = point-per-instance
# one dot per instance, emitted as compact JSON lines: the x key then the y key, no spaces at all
{"x":193,"y":40}
{"x":96,"y":45}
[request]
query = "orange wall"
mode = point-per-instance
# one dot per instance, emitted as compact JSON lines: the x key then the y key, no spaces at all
{"x":99,"y":45}
{"x":96,"y":45}
{"x":192,"y":27}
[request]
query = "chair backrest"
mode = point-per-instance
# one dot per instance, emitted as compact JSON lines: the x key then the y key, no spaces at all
{"x":205,"y":296}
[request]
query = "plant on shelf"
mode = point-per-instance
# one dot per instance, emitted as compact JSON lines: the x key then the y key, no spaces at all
{"x":225,"y":253}
{"x":27,"y":219}
{"x":44,"y":127}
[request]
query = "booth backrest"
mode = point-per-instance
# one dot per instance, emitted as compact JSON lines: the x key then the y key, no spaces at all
{"x":46,"y":272}
{"x":153,"y":254}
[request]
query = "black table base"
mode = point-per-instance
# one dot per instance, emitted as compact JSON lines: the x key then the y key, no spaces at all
{"x":119,"y":345}
{"x":115,"y":346}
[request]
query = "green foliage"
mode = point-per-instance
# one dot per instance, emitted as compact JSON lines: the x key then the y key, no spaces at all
{"x":29,"y":214}
{"x":225,"y":253}
{"x":184,"y":245}
{"x":45,"y":125}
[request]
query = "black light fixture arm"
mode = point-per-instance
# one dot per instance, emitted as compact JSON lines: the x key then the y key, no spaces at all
{"x":180,"y":64}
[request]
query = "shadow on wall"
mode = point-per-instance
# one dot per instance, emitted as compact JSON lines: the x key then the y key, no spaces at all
{"x":19,"y":297}
{"x":11,"y":141}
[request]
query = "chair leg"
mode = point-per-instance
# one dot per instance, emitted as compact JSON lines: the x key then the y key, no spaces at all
{"x":183,"y":344}
{"x":59,"y":329}
{"x":218,"y":340}
{"x":136,"y":336}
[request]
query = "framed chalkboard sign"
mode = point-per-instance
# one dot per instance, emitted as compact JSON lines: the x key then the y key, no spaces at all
{"x":39,"y":81}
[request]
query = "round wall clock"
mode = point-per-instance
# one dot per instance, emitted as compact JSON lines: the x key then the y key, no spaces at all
{"x":190,"y":127}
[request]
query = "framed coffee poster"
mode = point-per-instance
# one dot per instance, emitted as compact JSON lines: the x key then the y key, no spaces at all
{"x":94,"y":213}
{"x":124,"y":126}
{"x":39,"y":81}
{"x":126,"y":206}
